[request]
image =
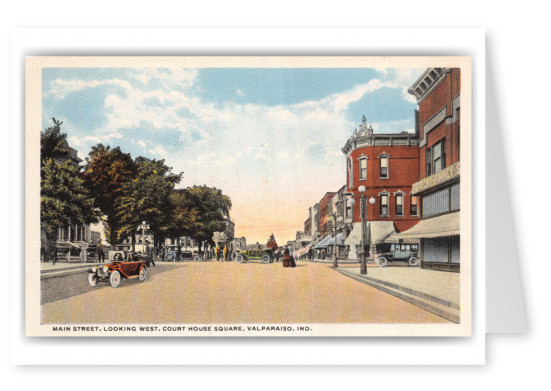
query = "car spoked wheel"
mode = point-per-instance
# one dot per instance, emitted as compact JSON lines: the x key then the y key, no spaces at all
{"x":240,"y":258}
{"x":382,"y":261}
{"x":197,"y":258}
{"x":92,"y":279}
{"x":265,"y":259}
{"x":143,"y":274}
{"x":413,"y":261}
{"x":115,"y":279}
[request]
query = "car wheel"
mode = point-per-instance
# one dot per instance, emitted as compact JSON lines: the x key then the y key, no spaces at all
{"x":197,"y":258}
{"x":92,"y":279}
{"x":143,"y":274}
{"x":240,"y":258}
{"x":382,"y":261}
{"x":115,"y":279}
{"x":413,"y":261}
{"x":266,"y":258}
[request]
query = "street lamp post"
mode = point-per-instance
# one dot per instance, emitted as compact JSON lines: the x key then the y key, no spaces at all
{"x":363,"y":210}
{"x":143,"y":226}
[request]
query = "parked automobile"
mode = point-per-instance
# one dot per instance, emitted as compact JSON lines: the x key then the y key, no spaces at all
{"x":116,"y":271}
{"x":400,"y":252}
{"x":171,"y":254}
{"x":266,"y":255}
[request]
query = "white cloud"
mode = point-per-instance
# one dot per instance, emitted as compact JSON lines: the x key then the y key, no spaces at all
{"x":158,"y":151}
{"x":264,"y":147}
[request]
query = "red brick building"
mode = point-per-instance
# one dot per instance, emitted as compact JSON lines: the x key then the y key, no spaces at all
{"x":387,"y":165}
{"x":308,"y":227}
{"x":324,"y":211}
{"x":438,"y":93}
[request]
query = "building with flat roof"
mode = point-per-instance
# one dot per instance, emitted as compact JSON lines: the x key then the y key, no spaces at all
{"x":438,"y":92}
{"x":387,"y":165}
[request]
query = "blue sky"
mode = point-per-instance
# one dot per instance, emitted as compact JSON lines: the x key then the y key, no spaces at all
{"x":262,"y":135}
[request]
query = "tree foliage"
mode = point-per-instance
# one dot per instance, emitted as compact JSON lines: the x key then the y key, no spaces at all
{"x":53,"y":144}
{"x":107,"y":173}
{"x":146,"y":197}
{"x":64,"y":199}
{"x":211,"y":208}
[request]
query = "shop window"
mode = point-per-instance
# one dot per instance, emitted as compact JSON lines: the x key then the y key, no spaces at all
{"x":414,"y":206}
{"x":436,"y":203}
{"x":384,"y":168}
{"x":455,"y":200}
{"x":384,"y":205}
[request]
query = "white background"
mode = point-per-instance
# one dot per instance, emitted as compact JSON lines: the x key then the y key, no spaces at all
{"x":516,"y":49}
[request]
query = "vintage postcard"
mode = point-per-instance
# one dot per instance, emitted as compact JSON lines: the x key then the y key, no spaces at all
{"x":248,"y":196}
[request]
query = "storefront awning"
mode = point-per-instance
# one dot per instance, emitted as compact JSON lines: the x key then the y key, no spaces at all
{"x":377,"y":232}
{"x":445,"y":225}
{"x":323,"y":243}
{"x":340,"y":240}
{"x":381,"y":230}
{"x":303,"y":250}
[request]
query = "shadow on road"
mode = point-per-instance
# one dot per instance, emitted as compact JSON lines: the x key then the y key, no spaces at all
{"x":66,"y":286}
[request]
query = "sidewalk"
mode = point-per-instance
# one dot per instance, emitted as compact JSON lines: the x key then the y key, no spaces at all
{"x":47,"y":270}
{"x":434,"y":291}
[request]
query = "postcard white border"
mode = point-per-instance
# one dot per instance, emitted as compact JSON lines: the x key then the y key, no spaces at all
{"x":468,"y":42}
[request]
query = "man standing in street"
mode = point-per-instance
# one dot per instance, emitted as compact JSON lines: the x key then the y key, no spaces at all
{"x":226,"y":252}
{"x":101,"y":255}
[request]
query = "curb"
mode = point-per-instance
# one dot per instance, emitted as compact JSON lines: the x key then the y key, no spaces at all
{"x":45,"y":274}
{"x":419,"y":299}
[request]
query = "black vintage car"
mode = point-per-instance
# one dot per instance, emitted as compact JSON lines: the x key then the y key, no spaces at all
{"x":401,"y":252}
{"x":266,"y":255}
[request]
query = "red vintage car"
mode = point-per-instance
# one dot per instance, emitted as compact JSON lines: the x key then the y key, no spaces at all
{"x":115,"y":271}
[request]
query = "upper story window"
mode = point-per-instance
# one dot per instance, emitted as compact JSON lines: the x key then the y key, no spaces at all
{"x":414,"y":206}
{"x":436,"y":157}
{"x":363,"y":168}
{"x":384,"y":205}
{"x":348,"y":209}
{"x":350,"y":173}
{"x":383,"y":174}
{"x":399,"y":204}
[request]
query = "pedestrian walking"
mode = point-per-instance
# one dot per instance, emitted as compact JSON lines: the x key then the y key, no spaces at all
{"x":218,"y":251}
{"x":277,"y":255}
{"x":226,"y":252}
{"x":54,"y":259}
{"x":286,"y":257}
{"x":101,"y":254}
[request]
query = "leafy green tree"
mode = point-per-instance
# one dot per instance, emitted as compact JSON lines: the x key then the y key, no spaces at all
{"x":182,"y":218}
{"x":212,"y":209}
{"x":53,"y":144}
{"x":63,"y":197}
{"x":147,"y":198}
{"x":107,"y":174}
{"x":63,"y":200}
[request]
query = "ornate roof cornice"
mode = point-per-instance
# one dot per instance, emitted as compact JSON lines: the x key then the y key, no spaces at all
{"x":428,"y":81}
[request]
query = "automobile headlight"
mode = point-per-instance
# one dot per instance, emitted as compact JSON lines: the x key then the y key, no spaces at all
{"x":105,"y":269}
{"x":93,"y":268}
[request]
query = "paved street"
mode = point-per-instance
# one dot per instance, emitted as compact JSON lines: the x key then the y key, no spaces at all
{"x":227,"y":292}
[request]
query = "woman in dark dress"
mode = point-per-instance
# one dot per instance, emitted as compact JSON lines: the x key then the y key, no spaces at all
{"x":286,"y":257}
